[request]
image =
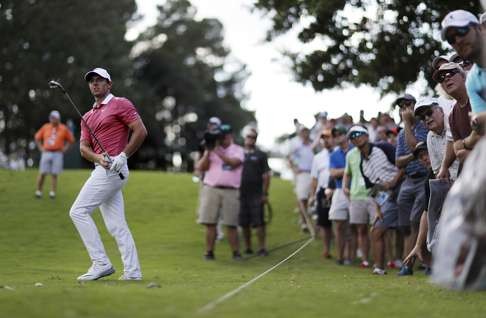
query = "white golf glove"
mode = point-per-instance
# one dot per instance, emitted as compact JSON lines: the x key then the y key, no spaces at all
{"x":118,"y":162}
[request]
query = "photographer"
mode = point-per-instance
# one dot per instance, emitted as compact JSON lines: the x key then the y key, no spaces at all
{"x":222,"y":167}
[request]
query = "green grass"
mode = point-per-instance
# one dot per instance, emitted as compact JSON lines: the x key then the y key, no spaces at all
{"x":38,"y":243}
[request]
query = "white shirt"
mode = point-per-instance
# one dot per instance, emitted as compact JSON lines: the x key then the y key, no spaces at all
{"x":437,"y":146}
{"x":302,"y":155}
{"x":320,"y":168}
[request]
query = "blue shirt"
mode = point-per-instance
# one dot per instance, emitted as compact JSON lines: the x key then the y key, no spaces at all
{"x":476,"y":88}
{"x":413,"y":167}
{"x":338,"y":161}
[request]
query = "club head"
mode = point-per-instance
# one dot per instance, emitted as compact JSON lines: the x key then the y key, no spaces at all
{"x":54,"y":84}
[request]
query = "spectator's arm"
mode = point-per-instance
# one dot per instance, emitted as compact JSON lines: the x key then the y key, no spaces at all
{"x":471,"y":140}
{"x":459,"y":150}
{"x":408,"y":120}
{"x":233,"y":162}
{"x":449,"y":158}
{"x":403,"y":161}
{"x":346,"y":183}
{"x":203,"y":163}
{"x":39,"y":145}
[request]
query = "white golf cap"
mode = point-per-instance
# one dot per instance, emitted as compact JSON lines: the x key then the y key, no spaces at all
{"x":249,"y":130}
{"x":425,"y":102}
{"x":457,"y":18}
{"x":55,"y":114}
{"x":447,"y":67}
{"x":214,"y":121}
{"x":98,"y":71}
{"x":322,"y":114}
{"x":357,"y":130}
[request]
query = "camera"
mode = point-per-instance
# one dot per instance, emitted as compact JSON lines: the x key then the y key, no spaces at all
{"x":211,"y":138}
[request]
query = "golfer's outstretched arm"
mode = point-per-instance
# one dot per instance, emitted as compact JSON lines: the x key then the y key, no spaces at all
{"x":139,"y":133}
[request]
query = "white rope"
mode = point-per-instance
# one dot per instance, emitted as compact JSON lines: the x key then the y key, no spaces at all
{"x":230,"y":294}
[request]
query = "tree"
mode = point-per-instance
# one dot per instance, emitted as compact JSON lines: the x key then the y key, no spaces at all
{"x":56,"y":39}
{"x":387,"y":46}
{"x":182,"y":62}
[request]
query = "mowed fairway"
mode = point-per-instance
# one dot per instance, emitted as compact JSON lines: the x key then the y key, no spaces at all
{"x":38,"y":243}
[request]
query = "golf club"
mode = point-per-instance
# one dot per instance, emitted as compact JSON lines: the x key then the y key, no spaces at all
{"x":54,"y":84}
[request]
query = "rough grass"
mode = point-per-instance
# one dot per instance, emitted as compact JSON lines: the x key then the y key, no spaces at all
{"x":38,"y":243}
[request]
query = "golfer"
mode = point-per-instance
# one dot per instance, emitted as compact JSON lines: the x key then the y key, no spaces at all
{"x":53,"y":140}
{"x":111,"y":120}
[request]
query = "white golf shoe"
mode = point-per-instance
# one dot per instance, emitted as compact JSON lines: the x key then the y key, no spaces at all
{"x":96,"y":272}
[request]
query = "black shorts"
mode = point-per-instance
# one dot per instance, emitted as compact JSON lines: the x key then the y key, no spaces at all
{"x":323,"y":206}
{"x":251,"y":211}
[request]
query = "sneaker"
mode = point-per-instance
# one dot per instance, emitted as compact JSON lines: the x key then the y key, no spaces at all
{"x":96,"y":272}
{"x":405,"y":271}
{"x":262,"y":252}
{"x":428,"y":271}
{"x":38,"y":194}
{"x":52,"y":194}
{"x":364,"y":264}
{"x":379,"y":271}
{"x":209,"y":256}
{"x":248,"y":251}
{"x":236,"y":256}
{"x":128,"y":277}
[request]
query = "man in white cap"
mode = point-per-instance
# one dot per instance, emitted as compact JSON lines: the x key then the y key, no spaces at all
{"x":452,"y":77}
{"x":112,"y":120}
{"x":53,"y":140}
{"x":463,"y":31}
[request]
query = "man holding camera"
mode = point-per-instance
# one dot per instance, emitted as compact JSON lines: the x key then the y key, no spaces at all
{"x":222,"y":166}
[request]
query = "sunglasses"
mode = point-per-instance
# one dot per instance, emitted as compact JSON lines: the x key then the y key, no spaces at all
{"x":456,"y":31}
{"x":355,"y":135}
{"x":426,"y":113}
{"x":442,"y":76}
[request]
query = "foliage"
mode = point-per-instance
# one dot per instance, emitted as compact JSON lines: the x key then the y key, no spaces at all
{"x":383,"y":43}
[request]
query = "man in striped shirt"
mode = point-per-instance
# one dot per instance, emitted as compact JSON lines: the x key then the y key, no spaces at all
{"x":379,"y":173}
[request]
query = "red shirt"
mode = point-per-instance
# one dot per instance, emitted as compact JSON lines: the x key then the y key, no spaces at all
{"x":109,"y":122}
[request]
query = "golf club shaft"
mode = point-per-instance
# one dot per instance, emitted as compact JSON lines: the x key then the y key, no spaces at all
{"x":87,"y":126}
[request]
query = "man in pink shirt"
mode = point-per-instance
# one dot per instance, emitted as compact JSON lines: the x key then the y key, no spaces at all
{"x":111,"y":120}
{"x":220,"y":193}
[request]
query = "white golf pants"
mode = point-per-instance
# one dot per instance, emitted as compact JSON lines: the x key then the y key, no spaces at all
{"x":103,"y":190}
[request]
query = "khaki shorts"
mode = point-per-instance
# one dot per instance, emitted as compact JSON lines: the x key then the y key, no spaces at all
{"x":216,"y":204}
{"x":51,"y":162}
{"x":339,"y":206}
{"x":302,"y":185}
{"x":362,"y":211}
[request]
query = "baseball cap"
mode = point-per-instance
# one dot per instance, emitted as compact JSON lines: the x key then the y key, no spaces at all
{"x":339,"y":130}
{"x":225,"y":129}
{"x":98,"y":71}
{"x":357,"y":131}
{"x":55,"y":114}
{"x":457,"y":18}
{"x":438,"y":59}
{"x":454,"y":57}
{"x":425,"y":102}
{"x":446,"y":67}
{"x":322,"y":115}
{"x":420,"y":146}
{"x":214,"y":121}
{"x":406,"y":97}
